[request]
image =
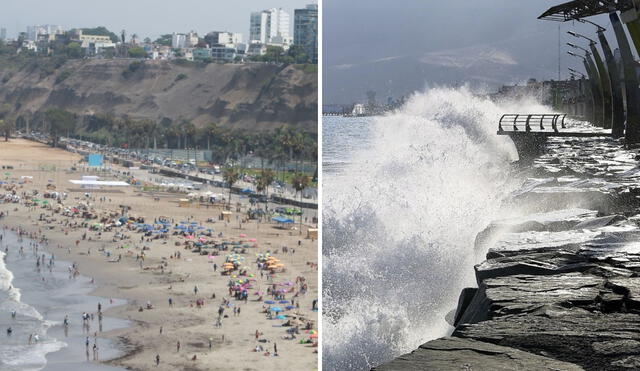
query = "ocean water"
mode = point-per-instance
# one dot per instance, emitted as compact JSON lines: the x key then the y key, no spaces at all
{"x":41,"y":301}
{"x":404,"y":196}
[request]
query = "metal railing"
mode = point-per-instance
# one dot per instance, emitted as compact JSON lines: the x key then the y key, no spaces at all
{"x":524,"y":122}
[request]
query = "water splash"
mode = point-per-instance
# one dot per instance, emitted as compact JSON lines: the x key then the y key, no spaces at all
{"x":399,"y":223}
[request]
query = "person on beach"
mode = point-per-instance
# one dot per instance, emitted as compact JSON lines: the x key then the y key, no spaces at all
{"x":157,"y":359}
{"x":178,"y":346}
{"x":10,"y":330}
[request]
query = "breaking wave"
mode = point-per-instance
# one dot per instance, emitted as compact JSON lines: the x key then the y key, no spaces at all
{"x":400,"y":220}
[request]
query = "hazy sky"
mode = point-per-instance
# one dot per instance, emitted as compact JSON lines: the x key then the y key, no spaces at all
{"x":398,"y":46}
{"x":144,"y":17}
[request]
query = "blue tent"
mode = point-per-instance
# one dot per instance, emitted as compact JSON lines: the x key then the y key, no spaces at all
{"x":282,"y":219}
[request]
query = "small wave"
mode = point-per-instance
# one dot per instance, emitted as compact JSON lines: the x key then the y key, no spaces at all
{"x":6,"y":280}
{"x":28,"y":357}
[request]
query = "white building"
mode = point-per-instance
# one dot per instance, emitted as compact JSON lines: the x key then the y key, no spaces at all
{"x":270,"y":27}
{"x":178,"y":41}
{"x":192,"y":39}
{"x":3,"y":34}
{"x":87,"y":40}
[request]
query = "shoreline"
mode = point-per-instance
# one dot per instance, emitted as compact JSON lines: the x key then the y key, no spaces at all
{"x":71,"y":293}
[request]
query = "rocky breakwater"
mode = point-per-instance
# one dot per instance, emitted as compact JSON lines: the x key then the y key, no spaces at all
{"x":560,"y":286}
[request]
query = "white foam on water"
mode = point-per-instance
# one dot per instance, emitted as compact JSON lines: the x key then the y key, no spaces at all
{"x":399,"y":223}
{"x":28,"y":357}
{"x":6,"y":281}
{"x":18,"y":356}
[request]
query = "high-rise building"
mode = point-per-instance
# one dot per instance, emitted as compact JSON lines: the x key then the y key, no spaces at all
{"x":270,"y":27}
{"x":47,"y":29}
{"x":305,"y":30}
{"x":178,"y":40}
{"x":3,"y":34}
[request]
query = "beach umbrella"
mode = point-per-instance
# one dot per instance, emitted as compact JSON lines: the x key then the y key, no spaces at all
{"x":288,"y":307}
{"x":280,"y":316}
{"x":276,"y":309}
{"x":184,"y":222}
{"x":243,"y":235}
{"x":211,"y":257}
{"x":269,"y":302}
{"x":313,"y":336}
{"x":253,"y":240}
{"x":284,"y":302}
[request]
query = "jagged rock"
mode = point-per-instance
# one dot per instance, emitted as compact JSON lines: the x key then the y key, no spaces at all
{"x":531,"y":264}
{"x":453,"y":353}
{"x":569,"y":334}
{"x":599,"y":222}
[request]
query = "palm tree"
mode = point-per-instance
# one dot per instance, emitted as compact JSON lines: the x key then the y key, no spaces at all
{"x":230,"y":176}
{"x":264,"y":180}
{"x":5,"y":129}
{"x":300,"y":182}
{"x":211,"y":130}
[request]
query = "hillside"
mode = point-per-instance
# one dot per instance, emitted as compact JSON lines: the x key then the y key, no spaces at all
{"x":253,"y":96}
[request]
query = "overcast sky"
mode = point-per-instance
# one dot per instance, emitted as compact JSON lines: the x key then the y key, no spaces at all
{"x":144,"y":17}
{"x":398,"y":46}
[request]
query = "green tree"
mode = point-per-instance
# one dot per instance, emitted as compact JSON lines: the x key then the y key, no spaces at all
{"x":298,"y":54}
{"x":264,"y":181}
{"x":6,"y":127}
{"x":59,"y":121}
{"x":73,"y":50}
{"x":137,"y":52}
{"x":164,"y":40}
{"x":230,"y":175}
{"x":299,"y":182}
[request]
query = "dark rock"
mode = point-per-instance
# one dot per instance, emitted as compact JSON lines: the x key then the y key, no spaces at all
{"x":452,"y":353}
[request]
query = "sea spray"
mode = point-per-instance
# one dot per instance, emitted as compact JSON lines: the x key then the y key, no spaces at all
{"x":400,"y":220}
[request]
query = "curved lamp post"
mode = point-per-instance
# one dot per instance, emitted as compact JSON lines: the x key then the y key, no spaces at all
{"x":617,"y":102}
{"x":596,"y":90}
{"x":605,"y":83}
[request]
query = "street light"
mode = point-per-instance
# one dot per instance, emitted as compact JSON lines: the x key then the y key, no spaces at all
{"x":576,"y":55}
{"x":578,"y":47}
{"x":600,"y":28}
{"x":575,"y":34}
{"x":574,"y":72}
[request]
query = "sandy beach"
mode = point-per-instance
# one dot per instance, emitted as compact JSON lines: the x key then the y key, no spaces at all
{"x":158,"y":270}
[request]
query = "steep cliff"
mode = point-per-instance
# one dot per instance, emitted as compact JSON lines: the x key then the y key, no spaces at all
{"x":254,"y":96}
